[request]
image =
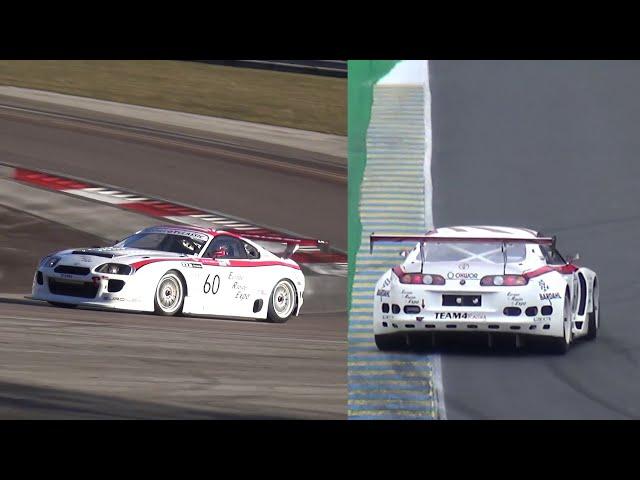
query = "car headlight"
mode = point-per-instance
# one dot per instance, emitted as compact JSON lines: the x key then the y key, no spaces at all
{"x":115,"y":269}
{"x":49,"y":261}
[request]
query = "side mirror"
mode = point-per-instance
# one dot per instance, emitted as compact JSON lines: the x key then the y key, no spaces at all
{"x":573,"y":258}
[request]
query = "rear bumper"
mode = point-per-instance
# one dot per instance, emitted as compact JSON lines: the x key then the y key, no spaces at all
{"x":541,"y":326}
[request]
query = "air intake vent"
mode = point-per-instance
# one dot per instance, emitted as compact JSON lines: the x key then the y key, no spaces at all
{"x":71,"y":270}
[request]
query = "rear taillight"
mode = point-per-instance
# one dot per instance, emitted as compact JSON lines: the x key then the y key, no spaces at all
{"x":503,"y":280}
{"x":418,"y":278}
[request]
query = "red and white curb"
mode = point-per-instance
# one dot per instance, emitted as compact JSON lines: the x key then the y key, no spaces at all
{"x":314,"y":253}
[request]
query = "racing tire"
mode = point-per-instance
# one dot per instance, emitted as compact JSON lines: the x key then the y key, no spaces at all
{"x":169,"y":295}
{"x":561,"y":345}
{"x":593,"y":323}
{"x":389,"y":342}
{"x":282,"y":302}
{"x":63,"y":305}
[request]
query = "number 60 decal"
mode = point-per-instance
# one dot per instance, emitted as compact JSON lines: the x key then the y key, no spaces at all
{"x":212,"y":286}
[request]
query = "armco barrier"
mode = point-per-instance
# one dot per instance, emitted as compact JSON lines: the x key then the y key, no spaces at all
{"x":328,"y":68}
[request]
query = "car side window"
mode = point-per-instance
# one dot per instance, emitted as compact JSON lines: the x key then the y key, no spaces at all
{"x":224,"y":246}
{"x":251,"y":251}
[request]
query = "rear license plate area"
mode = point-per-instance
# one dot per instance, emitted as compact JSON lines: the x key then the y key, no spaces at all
{"x":461,"y":300}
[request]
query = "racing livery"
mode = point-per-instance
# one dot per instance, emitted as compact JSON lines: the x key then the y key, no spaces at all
{"x":484,"y":279}
{"x":171,"y":270}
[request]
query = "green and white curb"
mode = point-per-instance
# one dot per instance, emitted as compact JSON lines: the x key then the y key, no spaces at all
{"x":395,"y":199}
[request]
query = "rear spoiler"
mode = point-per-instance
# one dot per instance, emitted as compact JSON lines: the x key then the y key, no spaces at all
{"x":292,"y":245}
{"x":373,"y":238}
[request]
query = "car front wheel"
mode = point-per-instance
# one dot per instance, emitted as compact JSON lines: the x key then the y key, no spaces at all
{"x":169,"y":296}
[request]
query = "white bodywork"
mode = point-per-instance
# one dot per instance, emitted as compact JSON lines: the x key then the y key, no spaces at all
{"x":548,"y":285}
{"x":217,"y":287}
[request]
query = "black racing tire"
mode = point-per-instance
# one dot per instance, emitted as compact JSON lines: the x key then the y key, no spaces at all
{"x":389,"y":342}
{"x":63,"y":305}
{"x":593,"y":322}
{"x":561,"y":345}
{"x":168,"y":297}
{"x":282,"y":302}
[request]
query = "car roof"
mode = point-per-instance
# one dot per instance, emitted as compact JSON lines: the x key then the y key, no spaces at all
{"x":482,"y":231}
{"x":188,"y":228}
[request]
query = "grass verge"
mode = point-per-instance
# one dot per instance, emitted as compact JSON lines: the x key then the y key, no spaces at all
{"x":290,"y":100}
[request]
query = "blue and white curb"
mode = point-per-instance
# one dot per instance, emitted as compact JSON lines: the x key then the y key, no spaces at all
{"x":395,"y":199}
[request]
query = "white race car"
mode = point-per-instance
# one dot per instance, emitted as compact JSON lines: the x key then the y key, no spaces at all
{"x":171,"y":270}
{"x":493,"y":280}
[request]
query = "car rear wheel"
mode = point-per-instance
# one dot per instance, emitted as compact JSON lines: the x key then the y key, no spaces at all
{"x":169,"y":296}
{"x":282,"y":302}
{"x":390,"y":342}
{"x":593,"y":323}
{"x":560,"y":345}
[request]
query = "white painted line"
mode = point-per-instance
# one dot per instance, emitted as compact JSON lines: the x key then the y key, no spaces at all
{"x":96,"y":196}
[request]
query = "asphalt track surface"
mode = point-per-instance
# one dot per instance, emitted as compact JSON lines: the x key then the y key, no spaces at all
{"x":553,"y":146}
{"x":81,"y":363}
{"x":215,"y":174}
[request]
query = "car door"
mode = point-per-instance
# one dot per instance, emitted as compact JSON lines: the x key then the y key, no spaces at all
{"x":227,"y":281}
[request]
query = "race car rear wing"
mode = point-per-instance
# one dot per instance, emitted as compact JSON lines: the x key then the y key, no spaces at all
{"x":373,"y":238}
{"x":291,"y":245}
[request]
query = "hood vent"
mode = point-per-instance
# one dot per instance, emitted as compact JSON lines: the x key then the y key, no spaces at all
{"x":93,"y":254}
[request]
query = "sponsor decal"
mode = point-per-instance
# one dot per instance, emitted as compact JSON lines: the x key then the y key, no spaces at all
{"x":516,"y":299}
{"x":460,"y":316}
{"x":239,"y":286}
{"x":543,"y":286}
{"x":549,"y":296}
{"x":542,"y":319}
{"x":176,"y":231}
{"x":410,"y":297}
{"x":191,"y":265}
{"x":386,"y":283}
{"x":463,"y":266}
{"x":66,"y":275}
{"x":242,"y":296}
{"x":113,"y":298}
{"x":382,"y":293}
{"x":459,"y":275}
{"x":235,"y":276}
{"x":223,"y":263}
{"x":85,"y":259}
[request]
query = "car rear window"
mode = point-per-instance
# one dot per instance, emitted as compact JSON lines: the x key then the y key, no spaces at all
{"x":489,"y":252}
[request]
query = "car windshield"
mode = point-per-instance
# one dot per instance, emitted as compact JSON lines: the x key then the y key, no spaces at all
{"x":163,"y":242}
{"x":488,"y":252}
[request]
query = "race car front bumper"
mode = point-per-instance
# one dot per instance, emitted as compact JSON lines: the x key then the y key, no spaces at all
{"x":96,"y":290}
